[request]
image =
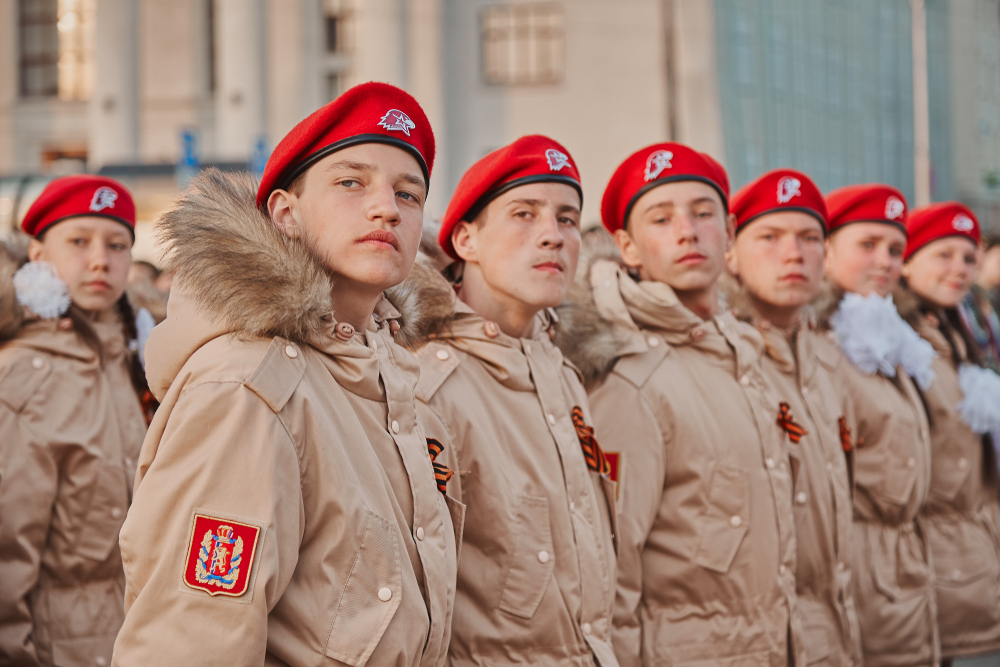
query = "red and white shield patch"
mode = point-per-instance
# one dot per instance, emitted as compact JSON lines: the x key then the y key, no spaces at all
{"x":220,"y":555}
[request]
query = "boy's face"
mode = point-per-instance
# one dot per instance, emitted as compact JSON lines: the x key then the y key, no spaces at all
{"x":525,"y":244}
{"x":360,"y":212}
{"x":866,"y":257}
{"x":678,"y":234}
{"x":779,"y":259}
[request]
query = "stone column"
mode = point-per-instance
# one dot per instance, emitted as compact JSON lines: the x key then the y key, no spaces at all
{"x":241,"y":109}
{"x":114,"y":102}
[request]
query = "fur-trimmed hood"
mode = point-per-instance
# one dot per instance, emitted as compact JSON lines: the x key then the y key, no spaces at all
{"x":11,"y":313}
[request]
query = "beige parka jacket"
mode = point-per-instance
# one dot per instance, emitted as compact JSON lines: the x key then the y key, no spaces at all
{"x":70,"y":432}
{"x":295,"y":436}
{"x":706,"y":562}
{"x":536,"y":581}
{"x":961,"y":514}
{"x":893,"y":577}
{"x":803,"y":370}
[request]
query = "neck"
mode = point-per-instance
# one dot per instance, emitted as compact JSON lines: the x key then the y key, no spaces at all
{"x":704,"y":302}
{"x":515,"y":318}
{"x":785,"y":318}
{"x":354,"y":304}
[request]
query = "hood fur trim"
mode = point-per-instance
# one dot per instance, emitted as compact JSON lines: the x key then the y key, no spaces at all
{"x":589,"y":341}
{"x":11,"y":313}
{"x":241,"y":269}
{"x":425,"y":300}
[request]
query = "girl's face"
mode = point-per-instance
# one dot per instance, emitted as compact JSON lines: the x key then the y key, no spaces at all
{"x":942,"y":271}
{"x":866,"y":257}
{"x":92,"y":255}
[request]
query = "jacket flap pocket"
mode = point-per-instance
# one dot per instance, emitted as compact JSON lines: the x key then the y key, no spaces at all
{"x":457,"y":512}
{"x":105,"y":514}
{"x":724,"y":521}
{"x":964,"y":551}
{"x":83,"y":651}
{"x":371,"y":596}
{"x":533,"y":560}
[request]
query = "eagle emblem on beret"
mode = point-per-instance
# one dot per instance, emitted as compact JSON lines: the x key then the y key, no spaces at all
{"x":894,"y":208}
{"x":104,"y":197}
{"x":963,"y":223}
{"x":556,"y":159}
{"x":394,"y":119}
{"x":656,"y":163}
{"x":788,"y":187}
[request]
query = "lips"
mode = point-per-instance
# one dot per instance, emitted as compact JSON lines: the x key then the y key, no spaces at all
{"x":794,"y":278}
{"x":381,"y":238}
{"x":691,"y":258}
{"x":97,"y":285}
{"x":553,"y":267}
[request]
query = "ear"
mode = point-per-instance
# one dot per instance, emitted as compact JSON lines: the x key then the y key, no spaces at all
{"x":34,"y":250}
{"x":732,"y":262}
{"x":628,"y":249}
{"x":730,"y":231}
{"x":464,"y":238}
{"x":283,"y":209}
{"x":907,"y":271}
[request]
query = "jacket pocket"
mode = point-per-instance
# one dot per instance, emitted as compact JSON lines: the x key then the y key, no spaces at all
{"x":724,"y":521}
{"x":105,"y":514}
{"x":373,"y":592}
{"x":457,"y":512}
{"x":83,"y":651}
{"x":533,"y":560}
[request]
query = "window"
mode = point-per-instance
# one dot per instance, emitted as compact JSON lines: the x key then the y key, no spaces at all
{"x":523,"y":44}
{"x":336,"y":45}
{"x":332,"y":86}
{"x":55,"y":48}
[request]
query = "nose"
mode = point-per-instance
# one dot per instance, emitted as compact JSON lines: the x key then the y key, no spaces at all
{"x":793,"y":251}
{"x":382,"y":205}
{"x":99,"y":258}
{"x":551,"y":235}
{"x":686,"y":230}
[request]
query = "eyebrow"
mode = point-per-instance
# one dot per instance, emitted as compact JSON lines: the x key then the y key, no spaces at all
{"x":701,"y":200}
{"x":412,"y":179}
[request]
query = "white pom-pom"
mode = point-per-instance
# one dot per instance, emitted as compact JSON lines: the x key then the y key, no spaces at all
{"x":144,"y":324}
{"x":980,"y":405}
{"x":40,"y":289}
{"x":875,"y":338}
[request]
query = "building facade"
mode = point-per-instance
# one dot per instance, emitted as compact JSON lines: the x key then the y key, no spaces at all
{"x":147,"y":91}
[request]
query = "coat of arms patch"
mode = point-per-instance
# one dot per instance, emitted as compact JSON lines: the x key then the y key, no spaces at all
{"x":220,"y":555}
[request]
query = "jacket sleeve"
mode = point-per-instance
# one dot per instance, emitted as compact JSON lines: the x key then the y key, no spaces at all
{"x":29,"y":483}
{"x":223,"y":453}
{"x":625,"y":423}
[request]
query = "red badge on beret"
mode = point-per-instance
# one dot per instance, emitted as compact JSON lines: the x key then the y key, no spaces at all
{"x":75,"y":196}
{"x":530,"y":159}
{"x":869,"y":202}
{"x":653,"y":166}
{"x":776,"y":191}
{"x":937,"y":221}
{"x":368,"y":113}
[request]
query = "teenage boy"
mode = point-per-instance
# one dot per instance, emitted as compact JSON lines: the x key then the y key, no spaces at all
{"x":536,"y":580}
{"x":706,"y":531}
{"x":778,"y":261}
{"x":286,"y":510}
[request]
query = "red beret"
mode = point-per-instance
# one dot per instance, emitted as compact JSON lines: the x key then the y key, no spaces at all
{"x":870,"y":202}
{"x":776,"y":191}
{"x":368,"y":113}
{"x":531,"y":159}
{"x":652,"y":166}
{"x":75,"y":196}
{"x":937,"y":221}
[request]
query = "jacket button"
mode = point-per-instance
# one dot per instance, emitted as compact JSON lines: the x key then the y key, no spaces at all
{"x":384,"y":594}
{"x":697,"y":333}
{"x":963,"y":463}
{"x":572,"y":506}
{"x":394,"y":426}
{"x":344,"y":331}
{"x":420,"y":532}
{"x":829,"y":465}
{"x":782,"y":569}
{"x":841,"y":566}
{"x":652,"y":341}
{"x":374,"y":345}
{"x":911,"y":463}
{"x":291,"y":352}
{"x":745,"y":380}
{"x":769,"y":462}
{"x":607,"y":284}
{"x":442,"y":355}
{"x":552,"y":420}
{"x":543,"y":557}
{"x":37,"y":363}
{"x":527,"y":348}
{"x":736,"y":521}
{"x":586,"y":628}
{"x":956,"y":574}
{"x":116,"y":512}
{"x":801,"y":497}
{"x":492,"y":329}
{"x":100,"y":661}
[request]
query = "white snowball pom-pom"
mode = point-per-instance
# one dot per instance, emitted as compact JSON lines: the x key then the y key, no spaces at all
{"x":875,"y":338}
{"x":980,"y":405}
{"x":40,"y":289}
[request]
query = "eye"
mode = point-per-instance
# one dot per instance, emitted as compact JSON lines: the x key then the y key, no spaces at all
{"x":524,"y":215}
{"x":118,"y":247}
{"x":80,"y":242}
{"x":349,"y":183}
{"x":769,"y":237}
{"x":895,"y":251}
{"x":408,"y":196}
{"x":703,"y":214}
{"x":868,"y":245}
{"x":970,"y":259}
{"x":565,"y":220}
